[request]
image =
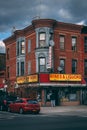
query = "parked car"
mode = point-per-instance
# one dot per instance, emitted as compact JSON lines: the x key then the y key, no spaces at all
{"x":5,"y":100}
{"x":24,"y":105}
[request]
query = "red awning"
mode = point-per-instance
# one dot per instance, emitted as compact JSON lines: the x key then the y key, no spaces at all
{"x":1,"y":85}
{"x":83,"y":81}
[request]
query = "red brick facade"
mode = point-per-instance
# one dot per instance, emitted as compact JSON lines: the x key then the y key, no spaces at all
{"x":44,"y":85}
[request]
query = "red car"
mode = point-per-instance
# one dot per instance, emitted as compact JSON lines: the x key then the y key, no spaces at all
{"x":23,"y":105}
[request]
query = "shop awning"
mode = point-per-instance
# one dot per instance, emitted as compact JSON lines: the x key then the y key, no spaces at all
{"x":1,"y":86}
{"x":83,"y":81}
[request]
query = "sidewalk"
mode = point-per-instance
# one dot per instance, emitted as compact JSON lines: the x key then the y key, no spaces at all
{"x":58,"y":109}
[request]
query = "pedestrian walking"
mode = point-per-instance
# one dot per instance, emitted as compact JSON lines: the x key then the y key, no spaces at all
{"x":52,"y":97}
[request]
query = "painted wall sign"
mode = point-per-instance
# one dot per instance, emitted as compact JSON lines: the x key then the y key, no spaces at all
{"x":65,"y":77}
{"x":30,"y":79}
{"x":21,"y":80}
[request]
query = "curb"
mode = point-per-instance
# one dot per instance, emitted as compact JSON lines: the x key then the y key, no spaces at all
{"x":63,"y":109}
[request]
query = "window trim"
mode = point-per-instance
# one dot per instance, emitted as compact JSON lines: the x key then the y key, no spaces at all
{"x":62,"y":44}
{"x":20,"y":46}
{"x":42,"y":42}
{"x":75,"y":66}
{"x":74,"y":44}
{"x":63,"y":71}
{"x":44,"y":65}
{"x":29,"y":45}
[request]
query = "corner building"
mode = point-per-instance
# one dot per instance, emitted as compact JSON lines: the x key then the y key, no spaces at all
{"x":48,"y":57}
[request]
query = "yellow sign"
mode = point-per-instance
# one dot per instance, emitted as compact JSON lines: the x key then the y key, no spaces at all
{"x":21,"y":80}
{"x":65,"y":77}
{"x":32,"y":78}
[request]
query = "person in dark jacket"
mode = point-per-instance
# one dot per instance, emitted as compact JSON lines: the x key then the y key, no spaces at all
{"x":52,"y":98}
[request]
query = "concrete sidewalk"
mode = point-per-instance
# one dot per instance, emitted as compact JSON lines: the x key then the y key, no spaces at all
{"x":57,"y":109}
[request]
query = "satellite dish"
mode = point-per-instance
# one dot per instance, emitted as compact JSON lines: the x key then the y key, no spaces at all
{"x":51,"y":43}
{"x":60,"y":68}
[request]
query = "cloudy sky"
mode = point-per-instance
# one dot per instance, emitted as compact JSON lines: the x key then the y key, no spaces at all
{"x":20,"y":13}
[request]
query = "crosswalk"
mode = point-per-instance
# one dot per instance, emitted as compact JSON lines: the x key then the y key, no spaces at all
{"x":10,"y":116}
{"x":6,"y":117}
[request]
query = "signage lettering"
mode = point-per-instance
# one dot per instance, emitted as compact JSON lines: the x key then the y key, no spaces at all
{"x":30,"y":78}
{"x":65,"y":77}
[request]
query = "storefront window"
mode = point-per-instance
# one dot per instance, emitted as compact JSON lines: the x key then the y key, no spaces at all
{"x":72,"y":97}
{"x":68,"y":95}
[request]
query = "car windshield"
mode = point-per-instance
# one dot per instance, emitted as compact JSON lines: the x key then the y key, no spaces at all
{"x":32,"y":101}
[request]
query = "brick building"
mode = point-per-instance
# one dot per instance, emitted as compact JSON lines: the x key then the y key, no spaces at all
{"x":48,"y":57}
{"x":2,"y":65}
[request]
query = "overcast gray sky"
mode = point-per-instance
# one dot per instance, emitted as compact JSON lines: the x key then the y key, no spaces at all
{"x":19,"y":13}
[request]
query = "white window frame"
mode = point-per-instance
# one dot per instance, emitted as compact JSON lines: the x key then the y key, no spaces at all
{"x":74,"y":43}
{"x":62,"y":42}
{"x":29,"y":45}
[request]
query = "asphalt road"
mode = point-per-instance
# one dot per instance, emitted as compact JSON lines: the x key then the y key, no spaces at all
{"x":62,"y":121}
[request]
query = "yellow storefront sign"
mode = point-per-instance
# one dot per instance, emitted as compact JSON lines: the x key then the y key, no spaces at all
{"x":65,"y":77}
{"x":32,"y":78}
{"x":21,"y":80}
{"x":27,"y":79}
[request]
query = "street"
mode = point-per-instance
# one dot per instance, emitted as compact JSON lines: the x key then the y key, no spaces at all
{"x":54,"y":121}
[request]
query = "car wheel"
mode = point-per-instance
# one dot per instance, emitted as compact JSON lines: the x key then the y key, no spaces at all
{"x":37,"y":112}
{"x":21,"y":111}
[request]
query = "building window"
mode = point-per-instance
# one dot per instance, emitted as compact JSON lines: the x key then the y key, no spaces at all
{"x":20,"y":46}
{"x":22,"y":68}
{"x":18,"y":69}
{"x":18,"y":49}
{"x":85,"y":44}
{"x":29,"y":67}
{"x":62,"y":42}
{"x":7,"y":53}
{"x":62,"y":66}
{"x":85,"y":67}
{"x":74,"y":66}
{"x":68,"y":94}
{"x":42,"y":39}
{"x":42,"y":64}
{"x":29,"y":45}
{"x":74,"y":41}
